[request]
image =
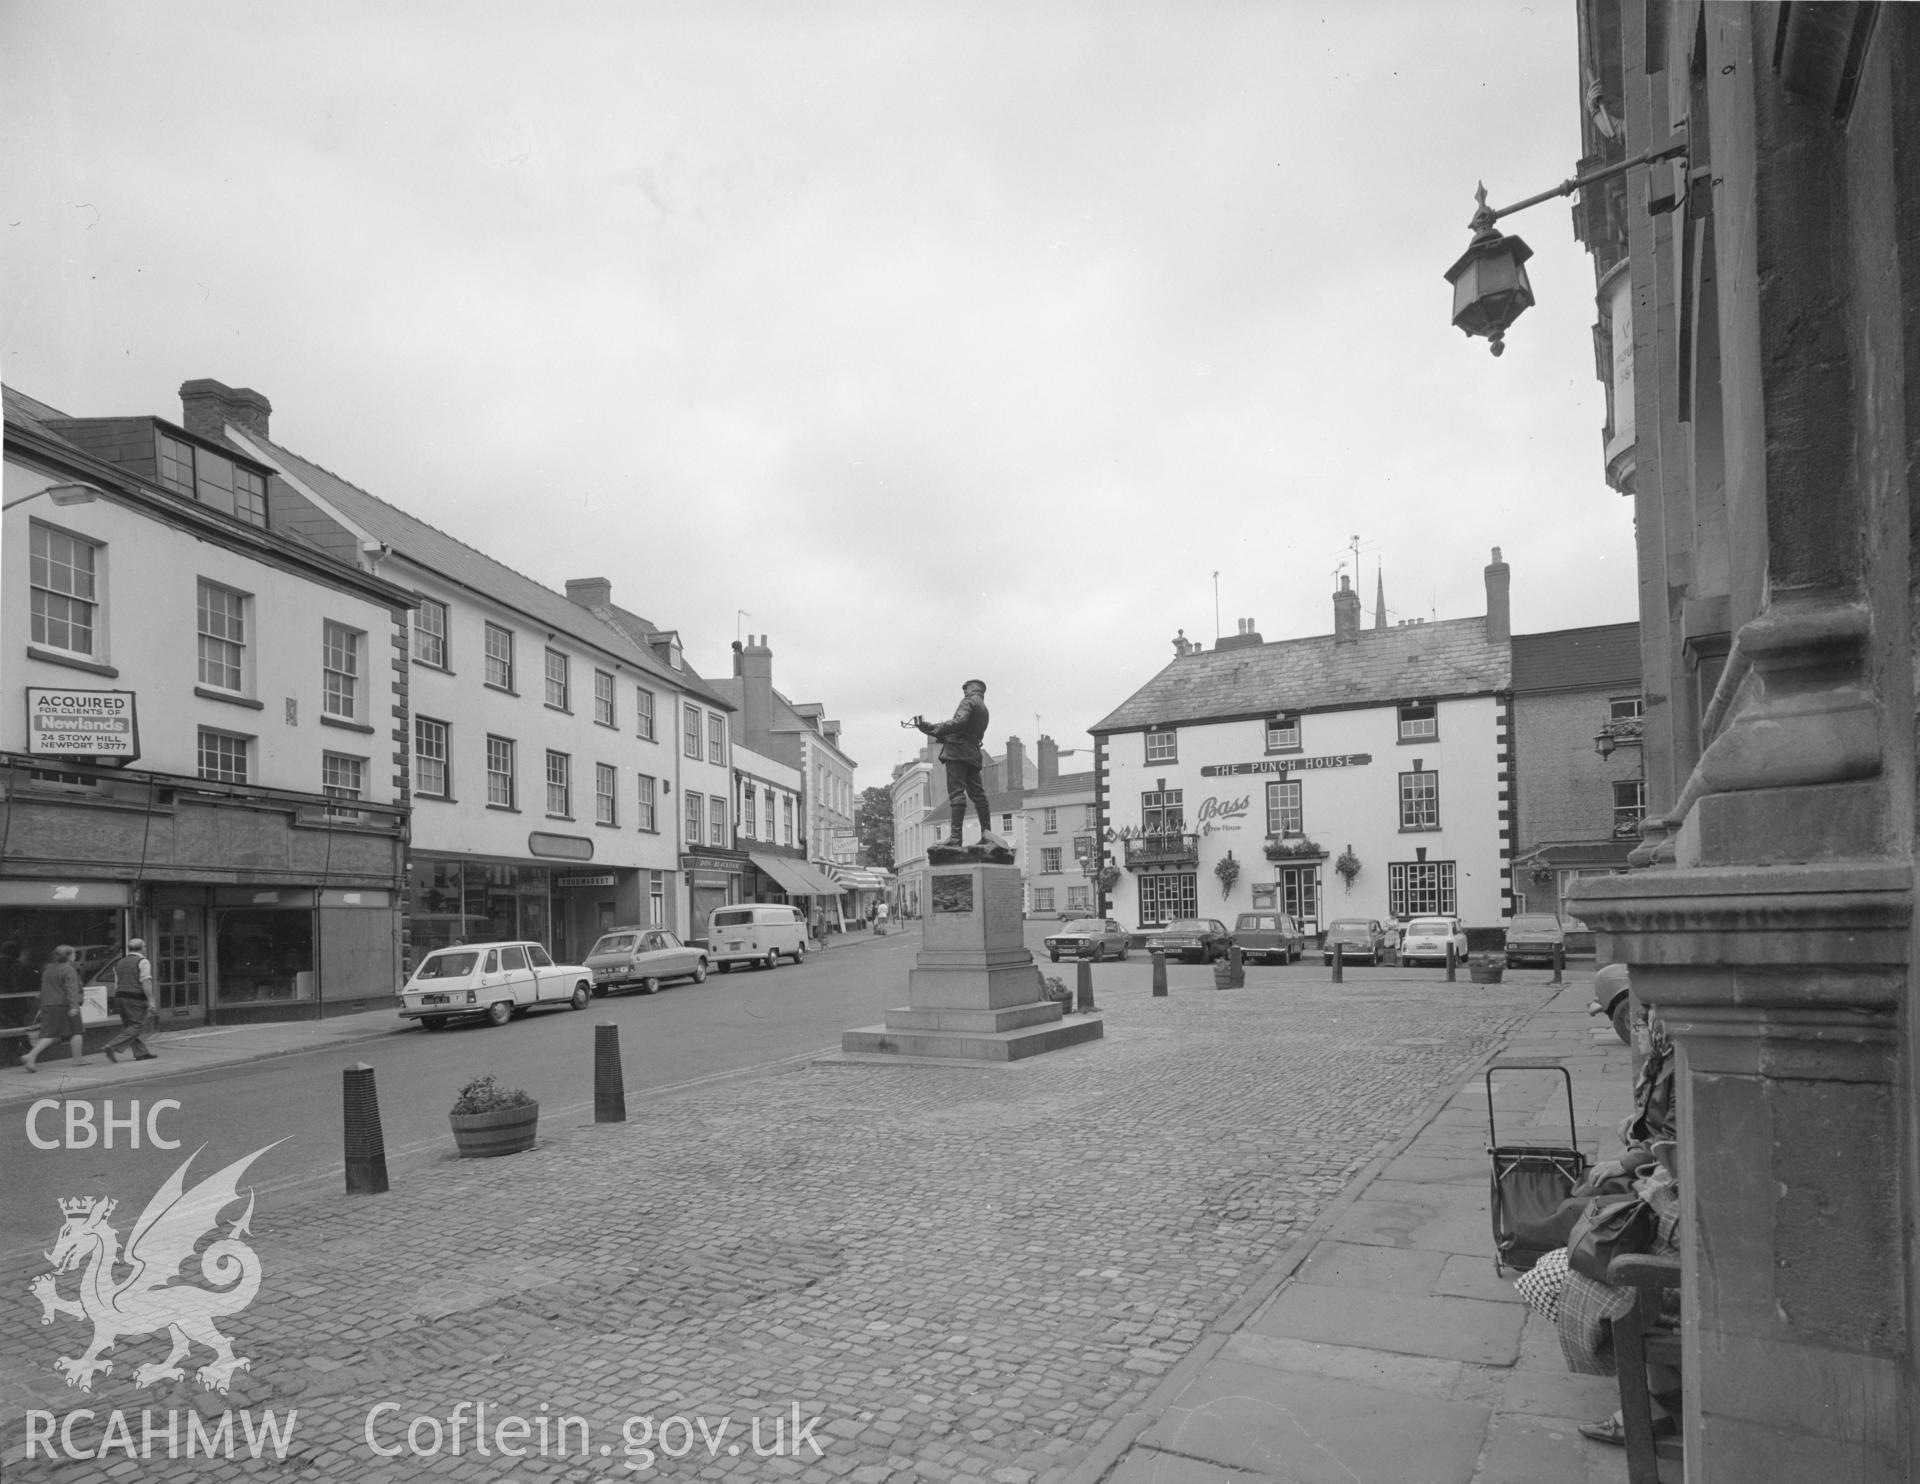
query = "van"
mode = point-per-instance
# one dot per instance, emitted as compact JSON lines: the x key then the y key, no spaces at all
{"x":755,"y":933}
{"x":1269,"y":935}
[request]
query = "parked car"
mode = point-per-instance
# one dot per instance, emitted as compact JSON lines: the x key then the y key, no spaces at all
{"x":1272,"y":936}
{"x":495,"y":980}
{"x":1201,"y":939}
{"x":1359,"y":938}
{"x":755,"y":933}
{"x":643,"y":958}
{"x":1426,"y":939}
{"x":1088,"y":937}
{"x":1534,"y":937}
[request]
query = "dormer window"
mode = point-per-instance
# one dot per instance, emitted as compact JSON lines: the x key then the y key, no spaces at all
{"x":1283,"y":734}
{"x":211,"y":478}
{"x":1419,"y":723}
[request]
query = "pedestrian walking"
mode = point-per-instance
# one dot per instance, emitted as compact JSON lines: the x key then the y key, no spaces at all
{"x":60,"y":1000}
{"x":135,"y":999}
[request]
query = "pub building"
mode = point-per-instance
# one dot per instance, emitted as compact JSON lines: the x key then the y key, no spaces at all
{"x":1364,"y":773}
{"x":199,"y":750}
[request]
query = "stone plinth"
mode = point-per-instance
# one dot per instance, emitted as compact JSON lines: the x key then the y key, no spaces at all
{"x":974,"y":993}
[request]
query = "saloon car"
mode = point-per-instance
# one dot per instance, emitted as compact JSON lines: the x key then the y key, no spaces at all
{"x":1360,"y":940}
{"x":494,"y":980}
{"x":1426,"y":938}
{"x":1088,"y":937}
{"x":643,"y":958}
{"x":1201,"y":939}
{"x":1534,"y":938}
{"x":1273,"y":936}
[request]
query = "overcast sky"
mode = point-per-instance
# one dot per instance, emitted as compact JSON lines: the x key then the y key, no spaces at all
{"x":942,"y":339}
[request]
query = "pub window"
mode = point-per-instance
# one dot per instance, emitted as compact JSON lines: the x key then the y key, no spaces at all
{"x":1283,"y":808}
{"x":1162,"y":812}
{"x":1283,"y":734}
{"x":1163,"y":746}
{"x":1420,"y":801}
{"x":1419,"y":723}
{"x":1421,"y":889}
{"x":1166,"y":897}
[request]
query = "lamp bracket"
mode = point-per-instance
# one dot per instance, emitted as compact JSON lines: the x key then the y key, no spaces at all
{"x":1486,"y":216}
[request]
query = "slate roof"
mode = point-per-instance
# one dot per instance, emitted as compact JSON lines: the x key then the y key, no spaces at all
{"x":1407,"y":662}
{"x":1604,"y":657}
{"x":1065,"y":783}
{"x":429,"y":547}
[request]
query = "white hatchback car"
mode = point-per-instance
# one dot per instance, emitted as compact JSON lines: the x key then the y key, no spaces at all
{"x":497,"y":980}
{"x":1425,"y":940}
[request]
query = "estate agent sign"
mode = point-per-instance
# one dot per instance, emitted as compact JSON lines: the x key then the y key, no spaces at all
{"x":82,"y":723}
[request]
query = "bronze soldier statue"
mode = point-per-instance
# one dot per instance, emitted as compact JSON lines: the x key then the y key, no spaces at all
{"x":960,"y":750}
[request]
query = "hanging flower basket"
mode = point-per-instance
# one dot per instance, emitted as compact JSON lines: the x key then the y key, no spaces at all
{"x":1228,"y":870}
{"x":1109,"y":877}
{"x":1348,"y":865}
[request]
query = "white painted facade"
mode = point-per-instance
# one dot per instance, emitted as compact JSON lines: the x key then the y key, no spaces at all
{"x":1348,"y":766}
{"x":146,"y":578}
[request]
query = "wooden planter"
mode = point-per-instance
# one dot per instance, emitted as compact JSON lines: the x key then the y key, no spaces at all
{"x":504,"y":1131}
{"x":1485,"y":973}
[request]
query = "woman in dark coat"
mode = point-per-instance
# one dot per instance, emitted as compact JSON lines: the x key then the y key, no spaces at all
{"x":61,"y":997}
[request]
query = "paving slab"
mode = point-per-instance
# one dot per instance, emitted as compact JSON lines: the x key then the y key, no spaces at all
{"x":1474,"y":1277}
{"x":1309,"y":1430}
{"x":1416,"y":1375}
{"x":1450,"y":1328}
{"x":1375,"y":1269}
{"x":1533,"y":1450}
{"x":1421,"y":1223}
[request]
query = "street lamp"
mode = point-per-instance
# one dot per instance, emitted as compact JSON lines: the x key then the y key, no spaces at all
{"x":1490,"y":285}
{"x":60,"y":494}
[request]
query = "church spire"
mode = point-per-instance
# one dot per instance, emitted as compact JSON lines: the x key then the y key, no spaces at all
{"x":1379,"y":599}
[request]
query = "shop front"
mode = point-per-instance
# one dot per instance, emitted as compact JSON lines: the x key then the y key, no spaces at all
{"x":713,"y":879}
{"x":466,"y":899}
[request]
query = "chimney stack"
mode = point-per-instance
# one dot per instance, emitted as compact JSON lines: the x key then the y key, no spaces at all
{"x":1014,"y":776}
{"x":1049,"y":761}
{"x":1499,"y":606}
{"x":207,"y":406}
{"x":590,"y":592}
{"x":754,"y":666}
{"x":1346,"y":613}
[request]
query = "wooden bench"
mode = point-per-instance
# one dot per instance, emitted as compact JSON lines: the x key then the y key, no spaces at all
{"x":1638,"y":1339}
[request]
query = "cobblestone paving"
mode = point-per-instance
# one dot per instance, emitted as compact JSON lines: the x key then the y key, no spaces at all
{"x":963,"y":1273}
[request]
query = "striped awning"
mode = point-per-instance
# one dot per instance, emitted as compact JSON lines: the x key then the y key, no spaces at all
{"x":858,"y":878}
{"x":796,"y":877}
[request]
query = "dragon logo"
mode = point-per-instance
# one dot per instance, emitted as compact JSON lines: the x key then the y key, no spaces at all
{"x":147,"y":1299}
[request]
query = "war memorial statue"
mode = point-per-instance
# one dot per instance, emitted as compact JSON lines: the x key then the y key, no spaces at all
{"x":974,"y":993}
{"x":959,"y":738}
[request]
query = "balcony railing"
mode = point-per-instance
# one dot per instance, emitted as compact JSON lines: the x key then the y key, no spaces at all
{"x":1626,"y":823}
{"x":1626,"y":731}
{"x":1173,"y":848}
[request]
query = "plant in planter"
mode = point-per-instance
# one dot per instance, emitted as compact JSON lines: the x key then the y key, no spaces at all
{"x":1228,"y":870}
{"x":1302,"y":849}
{"x":1486,"y":968}
{"x":1109,"y":877}
{"x":1348,"y":865}
{"x":489,"y":1119}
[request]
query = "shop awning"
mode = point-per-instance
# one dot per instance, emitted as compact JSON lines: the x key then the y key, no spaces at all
{"x":858,"y":878}
{"x":796,"y":877}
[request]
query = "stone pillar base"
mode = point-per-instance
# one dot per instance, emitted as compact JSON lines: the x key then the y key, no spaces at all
{"x":975,"y":993}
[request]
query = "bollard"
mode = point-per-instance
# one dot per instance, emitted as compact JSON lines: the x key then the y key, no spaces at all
{"x":1339,"y":966}
{"x":1450,"y":963}
{"x":609,"y":1092}
{"x":1159,"y":976}
{"x":366,"y":1149}
{"x":1559,"y":963}
{"x":1236,"y":966}
{"x":1083,"y":988}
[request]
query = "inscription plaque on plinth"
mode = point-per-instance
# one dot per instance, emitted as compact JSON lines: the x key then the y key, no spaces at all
{"x":974,"y":992}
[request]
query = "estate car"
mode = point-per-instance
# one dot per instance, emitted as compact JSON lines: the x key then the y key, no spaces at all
{"x":495,"y":980}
